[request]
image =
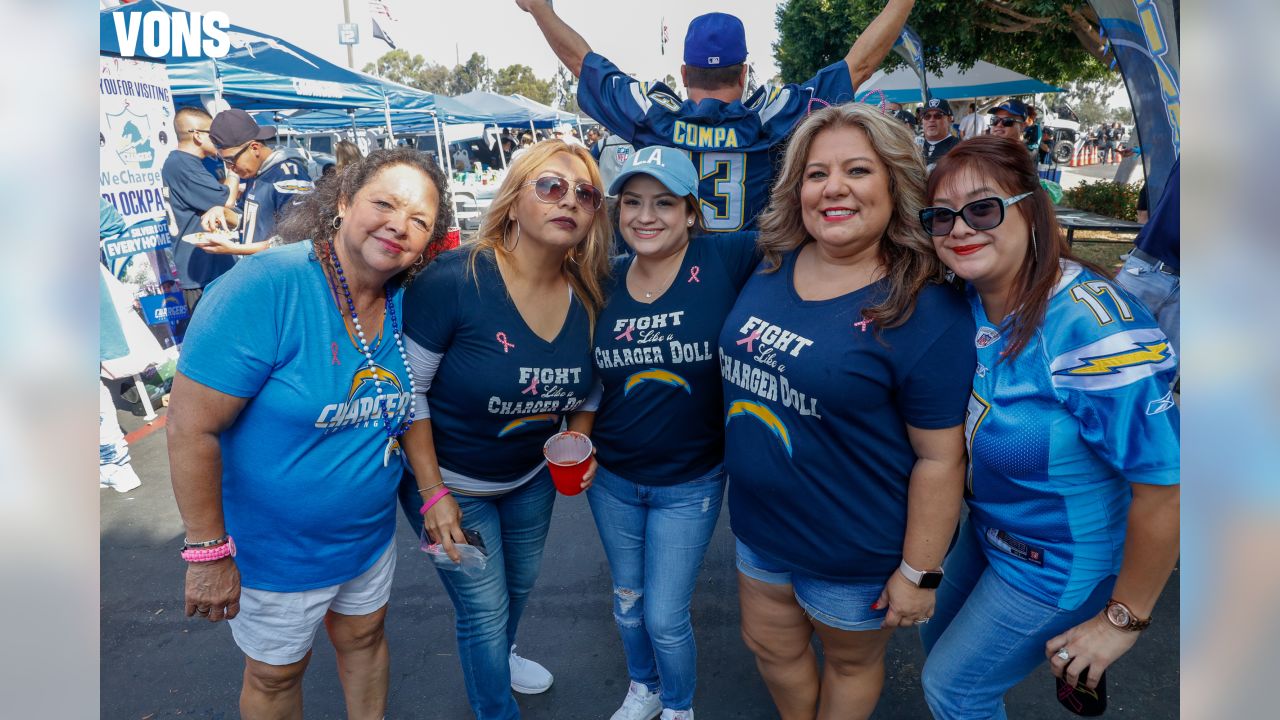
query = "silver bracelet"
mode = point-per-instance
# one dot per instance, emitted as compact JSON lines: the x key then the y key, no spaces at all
{"x":187,"y":544}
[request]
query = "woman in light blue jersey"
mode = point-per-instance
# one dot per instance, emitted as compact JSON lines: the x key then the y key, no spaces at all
{"x":1073,"y":443}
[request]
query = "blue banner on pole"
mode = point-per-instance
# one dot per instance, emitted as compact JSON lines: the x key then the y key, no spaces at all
{"x":909,"y":48}
{"x":140,"y":237}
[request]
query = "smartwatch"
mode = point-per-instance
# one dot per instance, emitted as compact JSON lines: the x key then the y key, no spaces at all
{"x":927,"y":579}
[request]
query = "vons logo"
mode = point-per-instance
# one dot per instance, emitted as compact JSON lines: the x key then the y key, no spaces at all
{"x":176,"y":34}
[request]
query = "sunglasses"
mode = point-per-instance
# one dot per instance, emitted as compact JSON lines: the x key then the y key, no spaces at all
{"x":933,"y":116}
{"x":981,"y":214}
{"x":231,"y":161}
{"x":551,"y":189}
{"x":1006,"y":122}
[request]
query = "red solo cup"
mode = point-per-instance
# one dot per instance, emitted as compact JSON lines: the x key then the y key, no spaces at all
{"x":453,"y":238}
{"x":568,"y":457}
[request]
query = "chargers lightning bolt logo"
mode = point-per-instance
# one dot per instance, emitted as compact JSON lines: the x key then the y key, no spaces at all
{"x":1113,"y":363}
{"x":665,"y":377}
{"x":524,"y":422}
{"x":764,"y":415}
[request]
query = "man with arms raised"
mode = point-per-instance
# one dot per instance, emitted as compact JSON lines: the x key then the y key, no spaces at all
{"x":728,"y":139}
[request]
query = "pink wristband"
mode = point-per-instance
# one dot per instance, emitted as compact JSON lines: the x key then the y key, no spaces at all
{"x":433,"y":499}
{"x":209,"y":554}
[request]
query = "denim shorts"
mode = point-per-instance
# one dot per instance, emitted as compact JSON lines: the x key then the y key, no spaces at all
{"x":841,"y":605}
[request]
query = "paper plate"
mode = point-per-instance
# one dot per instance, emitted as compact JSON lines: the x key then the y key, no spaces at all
{"x":205,"y":238}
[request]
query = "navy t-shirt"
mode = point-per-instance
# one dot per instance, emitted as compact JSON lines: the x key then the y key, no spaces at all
{"x":282,"y":181}
{"x":191,"y":190}
{"x":659,"y":420}
{"x":500,"y":390}
{"x":817,"y":403}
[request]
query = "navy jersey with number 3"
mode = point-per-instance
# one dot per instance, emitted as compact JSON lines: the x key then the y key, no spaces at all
{"x":729,"y":143}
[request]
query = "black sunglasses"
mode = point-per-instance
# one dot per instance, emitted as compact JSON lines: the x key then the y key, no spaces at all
{"x":552,"y":188}
{"x":1007,"y":122}
{"x":981,"y":214}
{"x":231,"y":161}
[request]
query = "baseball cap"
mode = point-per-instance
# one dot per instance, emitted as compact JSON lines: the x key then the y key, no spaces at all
{"x":667,"y":165}
{"x":905,"y":117}
{"x":236,"y":127}
{"x":715,"y":40}
{"x":1013,"y":107}
{"x":938,"y":104}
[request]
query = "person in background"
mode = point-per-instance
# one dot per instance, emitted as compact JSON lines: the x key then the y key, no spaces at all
{"x":730,"y":139}
{"x":659,"y":487}
{"x":114,"y":468}
{"x":938,"y":139}
{"x":846,"y":366}
{"x":498,"y":333}
{"x":191,"y":191}
{"x":1070,"y":540}
{"x":291,"y":394}
{"x":971,"y":125}
{"x":346,"y":153}
{"x":1150,"y":271}
{"x":277,"y":179}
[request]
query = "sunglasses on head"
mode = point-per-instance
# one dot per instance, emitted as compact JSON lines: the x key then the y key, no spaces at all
{"x":1007,"y":122}
{"x":551,"y":189}
{"x":981,"y":214}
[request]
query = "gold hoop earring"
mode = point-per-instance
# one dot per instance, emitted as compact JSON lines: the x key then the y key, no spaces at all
{"x":514,"y":244}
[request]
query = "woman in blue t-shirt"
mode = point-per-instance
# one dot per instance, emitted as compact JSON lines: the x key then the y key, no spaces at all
{"x":1073,"y":445}
{"x":499,"y":339}
{"x":659,"y":430}
{"x":846,"y":365}
{"x":290,"y":394}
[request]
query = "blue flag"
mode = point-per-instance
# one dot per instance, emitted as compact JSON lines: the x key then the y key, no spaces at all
{"x":909,"y":48}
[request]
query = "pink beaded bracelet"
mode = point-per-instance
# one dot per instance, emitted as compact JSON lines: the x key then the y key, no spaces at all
{"x":209,"y":554}
{"x":433,"y":499}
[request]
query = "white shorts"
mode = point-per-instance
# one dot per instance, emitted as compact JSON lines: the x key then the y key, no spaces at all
{"x":278,"y":628}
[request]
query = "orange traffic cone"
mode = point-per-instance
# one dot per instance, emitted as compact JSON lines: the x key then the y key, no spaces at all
{"x":1075,"y":159}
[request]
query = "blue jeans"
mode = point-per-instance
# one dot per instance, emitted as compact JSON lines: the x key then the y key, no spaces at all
{"x":488,"y":608}
{"x":1161,"y":292}
{"x":987,"y":635}
{"x":655,"y":538}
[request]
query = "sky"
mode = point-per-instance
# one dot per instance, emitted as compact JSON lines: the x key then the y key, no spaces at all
{"x":446,"y":31}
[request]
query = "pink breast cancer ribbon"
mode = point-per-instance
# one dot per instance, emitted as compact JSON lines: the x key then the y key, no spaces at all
{"x":533,"y":387}
{"x":627,"y":333}
{"x":693,"y":275}
{"x":750,"y":340}
{"x":506,"y":346}
{"x":333,"y":347}
{"x":863,"y":323}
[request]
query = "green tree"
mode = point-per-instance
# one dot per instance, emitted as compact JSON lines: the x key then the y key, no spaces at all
{"x":1051,"y":40}
{"x":520,"y":79}
{"x":474,"y":74}
{"x":1089,"y":99}
{"x":412,"y":70}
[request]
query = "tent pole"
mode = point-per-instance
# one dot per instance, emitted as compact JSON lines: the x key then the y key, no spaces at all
{"x":501,"y":153}
{"x":386,"y":115}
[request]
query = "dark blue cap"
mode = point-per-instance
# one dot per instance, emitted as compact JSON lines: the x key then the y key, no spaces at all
{"x":1013,"y":107}
{"x":715,"y":40}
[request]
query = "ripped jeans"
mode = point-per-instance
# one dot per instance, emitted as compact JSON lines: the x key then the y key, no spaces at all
{"x":655,"y":538}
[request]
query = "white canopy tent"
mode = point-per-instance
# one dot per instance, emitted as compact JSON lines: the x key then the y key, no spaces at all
{"x":981,"y":80}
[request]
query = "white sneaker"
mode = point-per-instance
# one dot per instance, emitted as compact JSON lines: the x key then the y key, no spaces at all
{"x":527,"y":676}
{"x":120,"y":478}
{"x":668,"y":714}
{"x":641,"y":703}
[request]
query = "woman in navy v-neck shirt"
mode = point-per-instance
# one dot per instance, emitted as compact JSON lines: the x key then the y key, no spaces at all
{"x":659,"y":431}
{"x":499,"y":341}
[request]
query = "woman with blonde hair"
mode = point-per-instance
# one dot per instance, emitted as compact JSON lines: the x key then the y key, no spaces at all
{"x":498,"y":334}
{"x":847,"y":365}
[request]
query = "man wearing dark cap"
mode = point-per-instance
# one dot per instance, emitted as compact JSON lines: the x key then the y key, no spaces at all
{"x":1009,"y":119}
{"x":275,"y":177}
{"x":938,"y":139}
{"x":728,"y":138}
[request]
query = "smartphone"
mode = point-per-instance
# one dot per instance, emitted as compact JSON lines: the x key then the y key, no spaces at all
{"x":473,"y":538}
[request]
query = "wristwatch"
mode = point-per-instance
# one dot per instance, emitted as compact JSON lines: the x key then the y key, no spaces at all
{"x":1122,"y":618}
{"x":927,"y":579}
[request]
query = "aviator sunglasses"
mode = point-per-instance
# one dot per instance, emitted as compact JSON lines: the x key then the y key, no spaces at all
{"x":550,"y":189}
{"x":981,"y":214}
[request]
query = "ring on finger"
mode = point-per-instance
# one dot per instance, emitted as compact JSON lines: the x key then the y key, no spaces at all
{"x":921,"y":621}
{"x":1063,"y":655}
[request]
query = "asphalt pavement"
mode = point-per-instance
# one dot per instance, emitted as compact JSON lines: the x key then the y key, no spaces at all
{"x":156,"y":663}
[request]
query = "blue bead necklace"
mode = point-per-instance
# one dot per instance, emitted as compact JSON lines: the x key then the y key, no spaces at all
{"x":393,"y":433}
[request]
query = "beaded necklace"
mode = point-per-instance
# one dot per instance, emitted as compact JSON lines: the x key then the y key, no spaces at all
{"x":393,"y":433}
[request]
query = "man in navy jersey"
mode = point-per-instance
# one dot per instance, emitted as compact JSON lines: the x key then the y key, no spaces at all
{"x":729,"y":139}
{"x":275,"y":176}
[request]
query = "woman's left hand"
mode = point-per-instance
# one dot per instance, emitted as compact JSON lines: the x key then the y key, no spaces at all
{"x":590,"y":475}
{"x":908,"y":604}
{"x":1093,"y":644}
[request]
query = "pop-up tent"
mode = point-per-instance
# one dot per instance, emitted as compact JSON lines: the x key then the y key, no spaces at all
{"x":260,"y":72}
{"x":981,"y":80}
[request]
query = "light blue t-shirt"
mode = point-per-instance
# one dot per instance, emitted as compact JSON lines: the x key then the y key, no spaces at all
{"x":1057,"y":433}
{"x":304,"y":489}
